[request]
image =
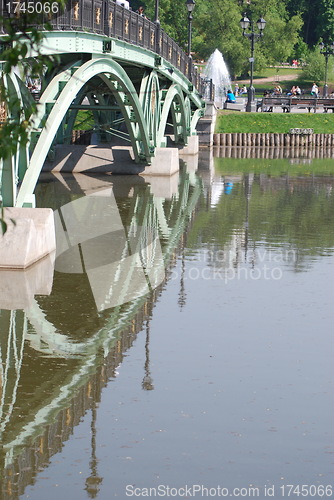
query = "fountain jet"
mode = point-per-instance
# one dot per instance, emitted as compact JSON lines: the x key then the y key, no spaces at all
{"x":217,"y":71}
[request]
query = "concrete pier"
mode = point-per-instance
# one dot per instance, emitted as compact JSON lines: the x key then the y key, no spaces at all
{"x":29,"y":237}
{"x":206,"y":125}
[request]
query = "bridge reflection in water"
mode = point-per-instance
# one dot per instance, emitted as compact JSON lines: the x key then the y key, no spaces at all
{"x":63,"y":348}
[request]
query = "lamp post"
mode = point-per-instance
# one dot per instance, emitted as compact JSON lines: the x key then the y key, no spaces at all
{"x":326,"y":50}
{"x":156,"y":12}
{"x":157,"y":27}
{"x":245,"y":23}
{"x":190,"y":4}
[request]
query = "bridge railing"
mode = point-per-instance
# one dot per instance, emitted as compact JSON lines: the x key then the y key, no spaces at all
{"x":108,"y":18}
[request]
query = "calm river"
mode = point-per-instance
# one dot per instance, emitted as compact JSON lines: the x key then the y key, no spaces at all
{"x":180,"y":345}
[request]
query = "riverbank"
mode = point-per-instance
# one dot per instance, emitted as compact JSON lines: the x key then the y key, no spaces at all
{"x":279,"y":123}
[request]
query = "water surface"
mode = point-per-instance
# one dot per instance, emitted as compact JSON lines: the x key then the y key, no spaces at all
{"x":218,"y":378}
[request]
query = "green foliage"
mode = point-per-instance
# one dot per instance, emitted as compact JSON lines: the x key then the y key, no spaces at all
{"x":216,"y":25}
{"x":325,"y":21}
{"x":301,"y":51}
{"x":22,"y":39}
{"x":222,"y":32}
{"x":84,"y":120}
{"x":3,"y":221}
{"x":287,"y":32}
{"x":173,"y":17}
{"x":314,"y":70}
{"x":292,"y":28}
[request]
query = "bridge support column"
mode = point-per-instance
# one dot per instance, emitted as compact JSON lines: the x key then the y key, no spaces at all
{"x":30,"y":236}
{"x":206,"y":126}
{"x":192,"y":147}
{"x":164,"y":162}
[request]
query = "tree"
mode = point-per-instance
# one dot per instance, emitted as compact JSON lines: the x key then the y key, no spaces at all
{"x":314,"y":68}
{"x":284,"y":31}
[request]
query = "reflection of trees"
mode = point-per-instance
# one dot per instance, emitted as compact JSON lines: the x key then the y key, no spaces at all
{"x":295,"y":213}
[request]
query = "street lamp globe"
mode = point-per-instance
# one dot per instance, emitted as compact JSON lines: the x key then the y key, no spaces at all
{"x":190,"y":4}
{"x":244,"y":22}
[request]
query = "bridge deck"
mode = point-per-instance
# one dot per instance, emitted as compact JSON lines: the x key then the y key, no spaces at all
{"x":108,"y":18}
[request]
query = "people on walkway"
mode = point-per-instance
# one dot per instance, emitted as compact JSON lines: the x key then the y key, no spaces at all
{"x":236,"y":90}
{"x":140,"y":11}
{"x":315,"y":90}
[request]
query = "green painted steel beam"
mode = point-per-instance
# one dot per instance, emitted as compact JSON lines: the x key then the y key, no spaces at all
{"x":69,"y":42}
{"x":97,"y":107}
{"x":110,"y":72}
{"x":121,"y":68}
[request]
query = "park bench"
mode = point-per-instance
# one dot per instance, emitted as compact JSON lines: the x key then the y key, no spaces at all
{"x":287,"y":102}
{"x":239,"y":105}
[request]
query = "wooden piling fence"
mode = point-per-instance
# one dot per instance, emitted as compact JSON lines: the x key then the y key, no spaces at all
{"x":274,"y":140}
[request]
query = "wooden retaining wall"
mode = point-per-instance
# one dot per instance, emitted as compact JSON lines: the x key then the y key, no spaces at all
{"x":274,"y":140}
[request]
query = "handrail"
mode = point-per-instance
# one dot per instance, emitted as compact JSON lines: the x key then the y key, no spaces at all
{"x":108,"y":18}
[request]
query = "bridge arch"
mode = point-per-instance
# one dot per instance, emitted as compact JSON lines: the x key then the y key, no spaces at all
{"x":174,"y":105}
{"x":117,"y":80}
{"x":150,"y":98}
{"x":13,"y":165}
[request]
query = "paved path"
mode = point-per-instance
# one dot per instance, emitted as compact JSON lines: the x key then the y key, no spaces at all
{"x":274,"y":79}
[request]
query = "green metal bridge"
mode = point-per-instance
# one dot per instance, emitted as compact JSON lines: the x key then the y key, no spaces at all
{"x":137,"y":82}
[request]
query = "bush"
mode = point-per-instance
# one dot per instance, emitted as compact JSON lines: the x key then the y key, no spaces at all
{"x":314,"y":69}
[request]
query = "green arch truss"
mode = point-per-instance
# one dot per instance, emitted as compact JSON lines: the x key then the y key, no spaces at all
{"x":157,"y":97}
{"x":56,"y":101}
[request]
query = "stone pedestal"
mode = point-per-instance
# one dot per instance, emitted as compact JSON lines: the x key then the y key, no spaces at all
{"x":115,"y":160}
{"x":191,"y":148}
{"x":165,"y":162}
{"x":30,"y":236}
{"x":206,"y":126}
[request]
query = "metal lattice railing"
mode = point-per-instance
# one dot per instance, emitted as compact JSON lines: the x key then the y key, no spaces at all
{"x":108,"y":18}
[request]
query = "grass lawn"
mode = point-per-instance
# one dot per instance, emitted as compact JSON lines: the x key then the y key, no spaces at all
{"x":84,"y":120}
{"x":231,"y":122}
{"x":278,"y":72}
